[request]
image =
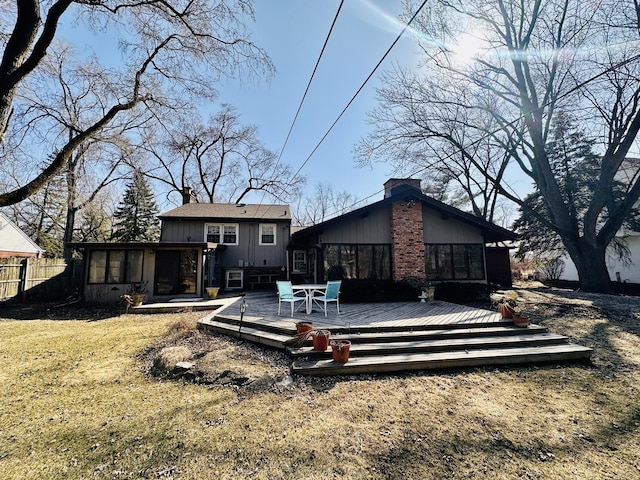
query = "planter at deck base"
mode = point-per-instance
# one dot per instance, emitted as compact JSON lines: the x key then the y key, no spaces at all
{"x":212,"y":292}
{"x":340,"y":350}
{"x":304,"y":327}
{"x":321,"y":340}
{"x":520,"y":321}
{"x":506,"y":310}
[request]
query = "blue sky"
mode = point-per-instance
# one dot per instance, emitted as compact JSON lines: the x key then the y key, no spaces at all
{"x":292,"y":33}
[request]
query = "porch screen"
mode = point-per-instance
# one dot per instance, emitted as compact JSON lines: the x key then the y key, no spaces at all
{"x":115,"y":266}
{"x":357,"y":261}
{"x":454,"y":262}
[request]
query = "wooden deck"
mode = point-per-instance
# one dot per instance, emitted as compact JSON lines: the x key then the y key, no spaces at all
{"x":391,"y":337}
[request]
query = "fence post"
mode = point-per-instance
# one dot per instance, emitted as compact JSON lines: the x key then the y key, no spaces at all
{"x":22,"y":286}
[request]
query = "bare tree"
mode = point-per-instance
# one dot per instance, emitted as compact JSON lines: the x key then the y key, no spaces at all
{"x":442,"y":145}
{"x":531,"y":60}
{"x":172,"y":49}
{"x":222,"y":161}
{"x":322,"y":205}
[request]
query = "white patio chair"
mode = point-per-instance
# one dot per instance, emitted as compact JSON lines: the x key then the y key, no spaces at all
{"x":285,"y":294}
{"x":330,"y":294}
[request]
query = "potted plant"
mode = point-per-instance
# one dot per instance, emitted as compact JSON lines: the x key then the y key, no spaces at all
{"x":507,"y":307}
{"x":138,"y":293}
{"x":320,"y":339}
{"x":304,"y":327}
{"x":212,"y":292}
{"x":340,"y":350}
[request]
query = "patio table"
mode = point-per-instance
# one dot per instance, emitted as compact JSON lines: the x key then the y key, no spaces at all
{"x":308,"y":289}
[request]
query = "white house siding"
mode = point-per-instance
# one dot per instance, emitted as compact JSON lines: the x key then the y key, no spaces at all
{"x":441,"y":230}
{"x":628,"y":274}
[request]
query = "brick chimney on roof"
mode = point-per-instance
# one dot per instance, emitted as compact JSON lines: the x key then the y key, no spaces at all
{"x":407,"y":229}
{"x":188,"y":196}
{"x":406,"y":183}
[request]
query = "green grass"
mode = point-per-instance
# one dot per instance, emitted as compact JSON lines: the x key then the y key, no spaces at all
{"x":76,"y":403}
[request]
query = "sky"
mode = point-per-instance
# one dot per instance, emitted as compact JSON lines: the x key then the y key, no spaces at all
{"x":292,"y":33}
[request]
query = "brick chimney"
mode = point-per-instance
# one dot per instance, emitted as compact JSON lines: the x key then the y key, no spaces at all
{"x":405,"y":183}
{"x":407,"y":232}
{"x":188,"y":196}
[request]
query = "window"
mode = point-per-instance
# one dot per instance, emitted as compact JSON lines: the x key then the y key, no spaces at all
{"x":268,"y":234}
{"x":115,"y":266}
{"x":454,"y":262}
{"x":230,"y":234}
{"x":299,"y":261}
{"x":360,"y":261}
{"x":213,"y":233}
{"x":221,"y":233}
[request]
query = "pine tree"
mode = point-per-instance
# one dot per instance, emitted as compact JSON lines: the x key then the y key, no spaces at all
{"x":135,"y":219}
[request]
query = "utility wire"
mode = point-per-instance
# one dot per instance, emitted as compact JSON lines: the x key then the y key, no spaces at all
{"x":304,"y":96}
{"x":326,"y":41}
{"x":357,"y":93}
{"x":512,"y":122}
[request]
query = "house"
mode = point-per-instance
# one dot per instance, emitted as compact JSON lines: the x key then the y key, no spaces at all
{"x":250,"y":241}
{"x":624,"y":271}
{"x":14,"y":242}
{"x":234,"y":246}
{"x":407,"y":235}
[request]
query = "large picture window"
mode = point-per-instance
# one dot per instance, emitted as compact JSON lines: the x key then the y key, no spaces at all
{"x":454,"y":262}
{"x":226,"y":234}
{"x":115,"y":266}
{"x":359,"y":261}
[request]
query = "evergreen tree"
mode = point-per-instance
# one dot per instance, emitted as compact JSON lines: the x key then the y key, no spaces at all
{"x":135,"y":219}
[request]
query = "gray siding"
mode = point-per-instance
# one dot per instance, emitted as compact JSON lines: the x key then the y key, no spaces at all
{"x":182,"y":231}
{"x":373,"y":228}
{"x":251,"y":253}
{"x":248,"y":250}
{"x":450,"y":230}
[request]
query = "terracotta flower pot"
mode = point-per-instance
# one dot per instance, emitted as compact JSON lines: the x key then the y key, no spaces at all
{"x":506,"y":310}
{"x":321,"y":340}
{"x":340,"y":350}
{"x":519,"y":321}
{"x":137,"y":299}
{"x":304,"y":327}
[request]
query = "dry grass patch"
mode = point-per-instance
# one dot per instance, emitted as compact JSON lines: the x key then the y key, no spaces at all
{"x":78,"y":402}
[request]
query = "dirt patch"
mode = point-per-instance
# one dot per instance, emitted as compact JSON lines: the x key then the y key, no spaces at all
{"x":187,"y":354}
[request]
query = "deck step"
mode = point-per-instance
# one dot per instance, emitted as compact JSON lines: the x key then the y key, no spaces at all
{"x":443,"y":360}
{"x":286,"y":326}
{"x":440,"y":334}
{"x":425,"y":346}
{"x":248,"y":333}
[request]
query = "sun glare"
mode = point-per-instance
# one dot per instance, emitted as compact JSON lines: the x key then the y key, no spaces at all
{"x":466,"y":48}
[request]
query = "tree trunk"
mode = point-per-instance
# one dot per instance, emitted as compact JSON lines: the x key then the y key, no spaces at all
{"x":590,"y":261}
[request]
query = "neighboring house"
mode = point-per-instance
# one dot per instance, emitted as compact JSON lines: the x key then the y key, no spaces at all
{"x":627,"y":271}
{"x":14,"y":242}
{"x":235,"y":246}
{"x":407,"y":235}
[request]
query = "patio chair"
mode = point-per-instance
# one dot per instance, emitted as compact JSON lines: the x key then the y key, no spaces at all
{"x":330,"y":294}
{"x":285,"y":294}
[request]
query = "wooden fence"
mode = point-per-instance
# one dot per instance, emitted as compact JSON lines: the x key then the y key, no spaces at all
{"x":36,"y":278}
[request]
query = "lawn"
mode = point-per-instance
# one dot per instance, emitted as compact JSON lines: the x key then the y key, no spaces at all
{"x":78,"y":402}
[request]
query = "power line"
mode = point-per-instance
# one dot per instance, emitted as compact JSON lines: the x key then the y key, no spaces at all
{"x":304,"y":96}
{"x":357,"y":92}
